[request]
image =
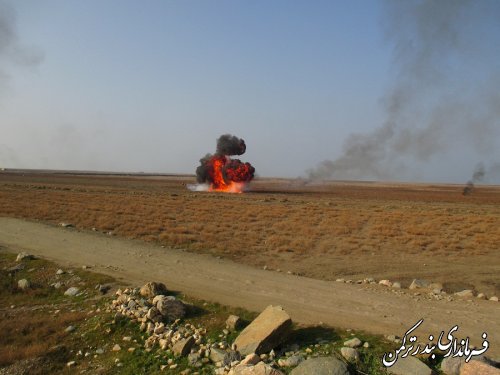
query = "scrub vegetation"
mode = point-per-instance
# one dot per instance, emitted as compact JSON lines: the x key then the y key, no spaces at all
{"x":325,"y":231}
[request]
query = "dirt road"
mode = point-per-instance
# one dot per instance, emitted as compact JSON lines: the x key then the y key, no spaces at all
{"x":374,"y":309}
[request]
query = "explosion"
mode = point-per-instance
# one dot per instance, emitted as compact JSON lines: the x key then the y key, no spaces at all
{"x":219,"y":172}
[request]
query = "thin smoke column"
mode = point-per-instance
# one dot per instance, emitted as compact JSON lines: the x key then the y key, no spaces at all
{"x":13,"y":54}
{"x":444,"y":97}
{"x":219,"y":172}
{"x":477,"y":176}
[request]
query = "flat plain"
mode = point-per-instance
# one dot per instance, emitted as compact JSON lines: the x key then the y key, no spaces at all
{"x":330,"y":230}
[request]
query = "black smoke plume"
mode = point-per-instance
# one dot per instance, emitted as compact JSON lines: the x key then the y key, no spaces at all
{"x":445,"y":95}
{"x":477,"y":176}
{"x":228,"y":144}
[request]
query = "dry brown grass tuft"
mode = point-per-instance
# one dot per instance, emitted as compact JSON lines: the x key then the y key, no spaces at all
{"x":27,"y":334}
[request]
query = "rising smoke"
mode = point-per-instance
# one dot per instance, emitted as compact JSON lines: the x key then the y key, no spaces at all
{"x":445,"y":90}
{"x":481,"y":174}
{"x":477,"y":176}
{"x":228,"y":144}
{"x":12,"y":54}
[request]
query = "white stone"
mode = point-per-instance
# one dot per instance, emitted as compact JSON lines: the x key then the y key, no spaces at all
{"x":467,"y":293}
{"x":350,"y":354}
{"x":24,"y":255}
{"x":23,"y":284}
{"x":385,"y":283}
{"x":353,"y":343}
{"x":251,"y":359}
{"x":73,"y":291}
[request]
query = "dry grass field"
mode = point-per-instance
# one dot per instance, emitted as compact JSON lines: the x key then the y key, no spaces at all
{"x":326,"y":231}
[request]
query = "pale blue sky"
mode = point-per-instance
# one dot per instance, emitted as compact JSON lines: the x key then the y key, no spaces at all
{"x":150,"y":85}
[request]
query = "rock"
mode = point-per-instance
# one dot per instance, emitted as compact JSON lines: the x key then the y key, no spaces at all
{"x":467,"y":293}
{"x":396,"y":285}
{"x":159,"y":329}
{"x":251,"y":359}
{"x":481,"y":296}
{"x":57,"y":285}
{"x":392,"y":338}
{"x":451,"y":366}
{"x":152,"y":313}
{"x":350,"y":354}
{"x":71,"y":364}
{"x":478,"y":367}
{"x":436,"y":286}
{"x":66,"y":225}
{"x":265,"y":332}
{"x":409,"y":366}
{"x":103,"y":289}
{"x":23,"y":284}
{"x":233,"y":323}
{"x":152,"y":289}
{"x":116,"y":348}
{"x":193,"y":358}
{"x":419,"y":284}
{"x":259,"y":369}
{"x":321,"y":366}
{"x":230,"y":357}
{"x":16,"y":268}
{"x":73,"y":291}
{"x":171,"y":308}
{"x":494,"y":298}
{"x":157,"y":298}
{"x":217,"y":355}
{"x":24,"y":256}
{"x":385,"y":283}
{"x":183,"y":346}
{"x":70,"y":329}
{"x":163,"y":344}
{"x":99,"y":351}
{"x":353,"y":343}
{"x":292,"y":361}
{"x":59,"y":272}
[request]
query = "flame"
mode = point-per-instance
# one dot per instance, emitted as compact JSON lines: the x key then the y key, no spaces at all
{"x":228,"y":175}
{"x":233,"y":187}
